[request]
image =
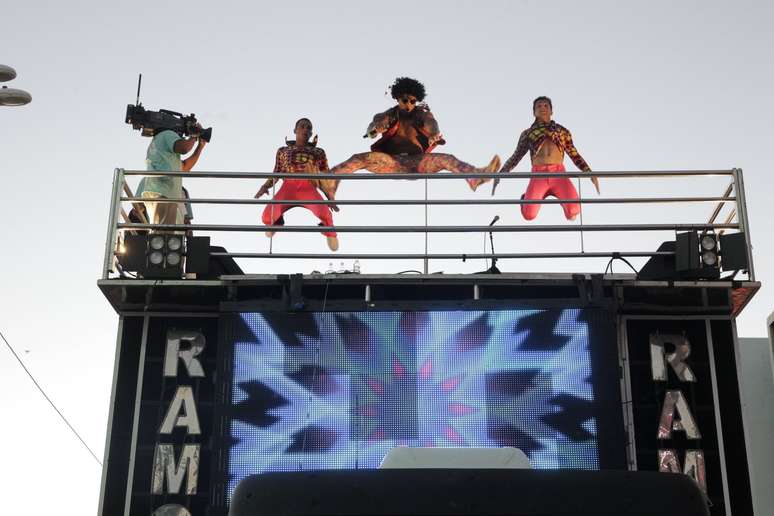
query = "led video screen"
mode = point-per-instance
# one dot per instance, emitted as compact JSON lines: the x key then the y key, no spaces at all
{"x":340,"y":389}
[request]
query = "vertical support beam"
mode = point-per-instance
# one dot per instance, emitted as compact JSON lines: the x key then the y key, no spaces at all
{"x":744,"y":223}
{"x":136,"y":420}
{"x":626,"y":395}
{"x":426,"y":268}
{"x":112,"y":231}
{"x":718,"y":415}
{"x":108,"y":434}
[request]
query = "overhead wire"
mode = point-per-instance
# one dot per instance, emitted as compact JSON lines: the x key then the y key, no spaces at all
{"x":75,"y":432}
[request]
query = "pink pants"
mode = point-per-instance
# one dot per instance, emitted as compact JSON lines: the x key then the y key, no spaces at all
{"x":559,"y":187}
{"x":300,"y":190}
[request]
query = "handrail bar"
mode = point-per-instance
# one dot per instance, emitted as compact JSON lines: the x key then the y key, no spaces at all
{"x":744,"y":221}
{"x":431,"y":229}
{"x":135,"y":202}
{"x":722,"y":203}
{"x":415,"y":176}
{"x":443,"y":256}
{"x":438,"y":202}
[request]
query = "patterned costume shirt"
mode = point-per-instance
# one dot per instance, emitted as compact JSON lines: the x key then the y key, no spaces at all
{"x":301,"y":160}
{"x":532,"y":139}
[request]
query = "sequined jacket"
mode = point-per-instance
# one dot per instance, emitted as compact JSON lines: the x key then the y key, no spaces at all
{"x":532,"y":138}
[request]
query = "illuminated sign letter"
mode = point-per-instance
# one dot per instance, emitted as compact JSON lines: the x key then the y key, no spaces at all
{"x":668,"y":462}
{"x":184,"y":401}
{"x":675,"y":401}
{"x":659,"y":357}
{"x":164,"y":467}
{"x":195,"y":345}
{"x":171,"y":509}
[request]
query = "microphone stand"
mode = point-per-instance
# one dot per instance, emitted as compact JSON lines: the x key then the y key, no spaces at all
{"x":493,"y":269}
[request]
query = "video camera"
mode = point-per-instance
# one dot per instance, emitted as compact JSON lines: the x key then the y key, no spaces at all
{"x":153,"y":122}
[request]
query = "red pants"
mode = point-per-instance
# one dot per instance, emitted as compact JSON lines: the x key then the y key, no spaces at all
{"x":301,"y":190}
{"x":559,"y":186}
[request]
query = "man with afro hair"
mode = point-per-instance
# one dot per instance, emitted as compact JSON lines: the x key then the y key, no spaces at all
{"x":409,"y":133}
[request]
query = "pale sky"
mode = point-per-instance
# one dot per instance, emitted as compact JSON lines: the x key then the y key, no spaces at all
{"x":651,"y":85}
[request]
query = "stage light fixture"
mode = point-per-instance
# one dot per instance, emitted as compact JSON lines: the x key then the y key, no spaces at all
{"x":696,"y":256}
{"x":157,"y":242}
{"x":709,"y":258}
{"x":174,"y":243}
{"x":708,"y":242}
{"x":165,"y":256}
{"x":156,"y":257}
{"x":174,"y":259}
{"x":162,"y":255}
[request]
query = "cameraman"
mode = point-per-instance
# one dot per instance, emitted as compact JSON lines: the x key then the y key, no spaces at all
{"x":164,"y":154}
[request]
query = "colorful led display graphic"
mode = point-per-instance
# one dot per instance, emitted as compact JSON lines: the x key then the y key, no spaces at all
{"x":340,"y":389}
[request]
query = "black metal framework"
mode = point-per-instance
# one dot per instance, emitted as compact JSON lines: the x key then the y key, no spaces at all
{"x":140,"y":392}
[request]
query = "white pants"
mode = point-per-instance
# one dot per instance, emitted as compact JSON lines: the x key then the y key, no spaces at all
{"x":162,"y":212}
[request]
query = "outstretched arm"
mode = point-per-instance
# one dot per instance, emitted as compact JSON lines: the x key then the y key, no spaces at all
{"x":278,"y":167}
{"x":521,"y":149}
{"x":572,"y":152}
{"x":380,"y":123}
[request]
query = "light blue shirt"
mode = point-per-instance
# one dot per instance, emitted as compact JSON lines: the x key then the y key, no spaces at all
{"x":162,"y":156}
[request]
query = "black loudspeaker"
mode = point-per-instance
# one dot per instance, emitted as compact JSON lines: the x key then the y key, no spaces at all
{"x":514,"y":492}
{"x":220,"y":265}
{"x":733,"y":252}
{"x":197,"y":258}
{"x":660,"y":267}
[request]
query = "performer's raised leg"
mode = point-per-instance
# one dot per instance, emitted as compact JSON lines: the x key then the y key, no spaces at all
{"x":378,"y":162}
{"x":563,"y":188}
{"x":432,"y":163}
{"x":537,"y":189}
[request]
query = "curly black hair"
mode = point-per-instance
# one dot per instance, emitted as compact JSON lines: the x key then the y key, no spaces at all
{"x":407,"y":86}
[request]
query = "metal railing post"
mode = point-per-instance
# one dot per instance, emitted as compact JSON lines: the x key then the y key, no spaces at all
{"x":112,"y":231}
{"x":426,"y":260}
{"x":744,"y":224}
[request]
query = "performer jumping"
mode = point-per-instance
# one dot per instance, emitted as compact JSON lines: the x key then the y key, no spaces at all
{"x":301,"y":156}
{"x":409,"y":134}
{"x":547,"y":142}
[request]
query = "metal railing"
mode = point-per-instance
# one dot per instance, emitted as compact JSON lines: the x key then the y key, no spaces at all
{"x":734,"y":196}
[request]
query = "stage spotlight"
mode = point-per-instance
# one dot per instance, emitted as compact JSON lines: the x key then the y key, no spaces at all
{"x":696,"y":256}
{"x":709,"y":250}
{"x":165,"y":256}
{"x":708,"y":242}
{"x":174,"y":259}
{"x":157,"y":242}
{"x":155,"y":257}
{"x":709,"y":259}
{"x":174,"y":243}
{"x":161,"y":256}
